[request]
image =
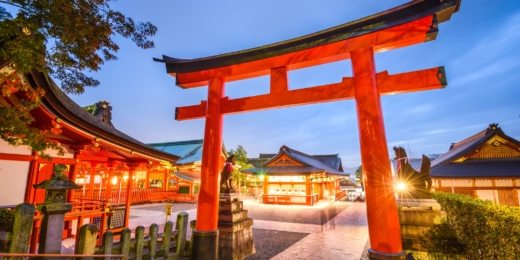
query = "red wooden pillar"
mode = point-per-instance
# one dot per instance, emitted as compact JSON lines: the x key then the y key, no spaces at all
{"x":206,"y":233}
{"x":92,"y":178}
{"x":31,"y":179}
{"x":108,"y":185}
{"x":131,"y":174}
{"x":383,"y":222}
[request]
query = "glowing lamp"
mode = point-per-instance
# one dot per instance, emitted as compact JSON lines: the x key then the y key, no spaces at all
{"x":401,"y":186}
{"x":80,"y":180}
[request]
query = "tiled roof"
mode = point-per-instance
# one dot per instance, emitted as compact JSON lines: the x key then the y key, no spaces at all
{"x":257,"y":162}
{"x":189,"y":151}
{"x":446,"y":167}
{"x":332,"y":160}
{"x":267,"y":155}
{"x":64,"y":107}
{"x":183,"y":177}
{"x":489,"y":168}
{"x":329,"y":163}
{"x":461,"y":148}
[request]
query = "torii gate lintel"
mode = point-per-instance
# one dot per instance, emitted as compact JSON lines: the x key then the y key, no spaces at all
{"x":280,"y":96}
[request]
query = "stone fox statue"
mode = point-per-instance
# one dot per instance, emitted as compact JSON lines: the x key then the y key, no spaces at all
{"x":226,"y":176}
{"x":420,"y":180}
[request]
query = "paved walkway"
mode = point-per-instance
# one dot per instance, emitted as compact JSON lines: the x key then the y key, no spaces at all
{"x":343,"y":237}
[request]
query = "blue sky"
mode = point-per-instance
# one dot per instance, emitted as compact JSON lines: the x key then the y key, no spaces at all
{"x":479,"y":48}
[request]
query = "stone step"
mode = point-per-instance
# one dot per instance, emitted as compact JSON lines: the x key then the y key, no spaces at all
{"x":411,"y":204}
{"x":236,"y":240}
{"x":234,"y":227}
{"x":421,"y":217}
{"x":231,"y":206}
{"x":419,"y":231}
{"x":232,"y":217}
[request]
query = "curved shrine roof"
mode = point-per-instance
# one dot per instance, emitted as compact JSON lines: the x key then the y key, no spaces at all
{"x":460,"y":161}
{"x":330,"y":164}
{"x":58,"y":103}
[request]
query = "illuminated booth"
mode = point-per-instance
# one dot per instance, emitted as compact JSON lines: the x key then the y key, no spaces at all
{"x":292,"y":177}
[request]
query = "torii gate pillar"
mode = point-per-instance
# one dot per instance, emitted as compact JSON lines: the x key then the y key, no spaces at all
{"x":383,"y":222}
{"x":205,"y":235}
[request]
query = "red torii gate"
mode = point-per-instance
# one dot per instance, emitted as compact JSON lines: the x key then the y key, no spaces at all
{"x":408,"y":24}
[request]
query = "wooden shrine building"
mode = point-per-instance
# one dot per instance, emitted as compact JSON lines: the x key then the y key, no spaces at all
{"x":293,"y":177}
{"x":484,"y":165}
{"x":114,"y":169}
{"x":186,"y":171}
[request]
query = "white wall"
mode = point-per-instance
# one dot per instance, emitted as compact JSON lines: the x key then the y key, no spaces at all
{"x":13,"y":178}
{"x":483,"y":183}
{"x":68,"y":153}
{"x":456,"y":183}
{"x":486,"y":194}
{"x":504,"y":183}
{"x":7,"y":148}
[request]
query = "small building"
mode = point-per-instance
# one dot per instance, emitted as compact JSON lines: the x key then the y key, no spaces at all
{"x":485,"y":165}
{"x":186,"y":171}
{"x":293,"y":177}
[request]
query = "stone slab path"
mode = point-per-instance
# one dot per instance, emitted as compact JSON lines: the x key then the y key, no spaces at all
{"x":343,"y":237}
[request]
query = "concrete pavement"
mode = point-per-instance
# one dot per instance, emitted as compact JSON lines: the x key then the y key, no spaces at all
{"x":343,"y":237}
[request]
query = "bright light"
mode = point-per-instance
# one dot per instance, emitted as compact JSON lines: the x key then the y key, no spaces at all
{"x":401,"y":186}
{"x":80,"y":180}
{"x":114,"y":180}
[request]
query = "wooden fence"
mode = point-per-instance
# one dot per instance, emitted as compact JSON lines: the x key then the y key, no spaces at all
{"x":340,"y":194}
{"x":171,"y":244}
{"x":118,"y":196}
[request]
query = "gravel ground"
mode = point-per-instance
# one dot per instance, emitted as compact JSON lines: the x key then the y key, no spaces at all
{"x":302,"y":215}
{"x":269,"y":243}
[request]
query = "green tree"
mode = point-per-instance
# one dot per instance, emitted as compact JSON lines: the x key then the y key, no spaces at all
{"x":64,"y":39}
{"x":359,"y":176}
{"x":242,"y":162}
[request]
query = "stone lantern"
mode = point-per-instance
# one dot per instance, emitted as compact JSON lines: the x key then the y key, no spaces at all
{"x":54,"y":209}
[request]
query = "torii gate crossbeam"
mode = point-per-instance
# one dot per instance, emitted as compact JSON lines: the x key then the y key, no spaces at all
{"x":411,"y":23}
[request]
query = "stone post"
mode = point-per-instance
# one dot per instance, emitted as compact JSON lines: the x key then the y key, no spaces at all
{"x":53,"y":210}
{"x":235,"y":229}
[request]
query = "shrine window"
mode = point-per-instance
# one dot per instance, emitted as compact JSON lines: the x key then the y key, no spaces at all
{"x":156,"y":180}
{"x":184,"y":190}
{"x":172,"y":183}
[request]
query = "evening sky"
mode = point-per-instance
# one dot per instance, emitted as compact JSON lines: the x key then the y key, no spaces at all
{"x":479,"y":48}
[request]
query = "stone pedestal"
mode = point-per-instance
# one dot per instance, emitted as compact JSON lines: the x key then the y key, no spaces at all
{"x":235,"y":229}
{"x":52,"y":228}
{"x":418,"y":216}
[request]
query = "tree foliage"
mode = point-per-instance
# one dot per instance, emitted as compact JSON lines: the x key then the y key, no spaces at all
{"x":64,"y":39}
{"x":241,"y":161}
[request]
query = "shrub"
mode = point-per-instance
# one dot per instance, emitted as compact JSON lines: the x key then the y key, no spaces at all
{"x":6,"y":220}
{"x":489,"y":231}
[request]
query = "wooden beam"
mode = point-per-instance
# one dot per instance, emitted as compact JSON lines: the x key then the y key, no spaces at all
{"x":83,"y":157}
{"x":434,"y":78}
{"x":394,"y":37}
{"x":27,"y":158}
{"x":279,"y":81}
